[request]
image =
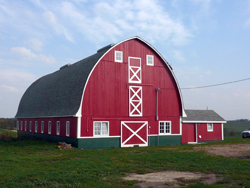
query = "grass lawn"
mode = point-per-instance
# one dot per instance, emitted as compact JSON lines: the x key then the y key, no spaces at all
{"x":29,"y":163}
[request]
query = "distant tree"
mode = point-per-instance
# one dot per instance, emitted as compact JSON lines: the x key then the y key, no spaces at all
{"x":232,"y":133}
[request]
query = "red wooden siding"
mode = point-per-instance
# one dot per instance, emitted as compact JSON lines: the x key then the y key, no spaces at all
{"x":216,"y":134}
{"x":106,"y":96}
{"x":188,"y":133}
{"x":72,"y":120}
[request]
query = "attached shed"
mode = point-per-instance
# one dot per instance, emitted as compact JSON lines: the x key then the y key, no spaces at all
{"x":124,"y":95}
{"x":201,"y":126}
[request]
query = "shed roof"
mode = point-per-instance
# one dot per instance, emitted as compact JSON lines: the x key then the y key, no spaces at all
{"x":59,"y":93}
{"x":202,"y":116}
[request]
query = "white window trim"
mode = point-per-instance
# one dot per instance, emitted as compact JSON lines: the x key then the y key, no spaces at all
{"x":36,"y":126}
{"x":67,"y":128}
{"x":131,"y":111}
{"x":25,"y":125}
{"x":49,"y":127}
{"x":119,"y":60}
{"x":170,"y":127}
{"x":210,"y":130}
{"x":152,"y":60}
{"x":42,"y":126}
{"x":130,"y":77}
{"x":30,"y":126}
{"x":58,"y":128}
{"x":101,"y":129}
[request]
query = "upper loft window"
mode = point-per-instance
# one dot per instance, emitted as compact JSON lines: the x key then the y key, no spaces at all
{"x":209,"y":127}
{"x":150,"y":60}
{"x":118,"y":56}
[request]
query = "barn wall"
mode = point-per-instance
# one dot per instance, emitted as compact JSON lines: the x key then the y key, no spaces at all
{"x":202,"y":132}
{"x":106,"y":97}
{"x":72,"y":120}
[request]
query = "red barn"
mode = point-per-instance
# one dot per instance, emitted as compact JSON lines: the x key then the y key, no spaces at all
{"x":124,"y":95}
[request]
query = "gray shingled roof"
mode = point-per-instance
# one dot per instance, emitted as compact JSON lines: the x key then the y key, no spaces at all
{"x":202,"y":115}
{"x":59,"y":93}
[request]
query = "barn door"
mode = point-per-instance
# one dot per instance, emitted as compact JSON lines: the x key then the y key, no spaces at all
{"x":134,"y":70}
{"x":134,"y":133}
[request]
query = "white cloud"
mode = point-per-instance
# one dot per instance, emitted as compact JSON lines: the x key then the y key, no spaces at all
{"x":26,"y":53}
{"x":10,"y":89}
{"x":110,"y":20}
{"x":60,"y":29}
{"x":178,"y":56}
{"x":35,"y":44}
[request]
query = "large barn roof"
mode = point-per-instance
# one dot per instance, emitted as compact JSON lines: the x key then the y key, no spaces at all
{"x":60,"y":93}
{"x":199,"y":116}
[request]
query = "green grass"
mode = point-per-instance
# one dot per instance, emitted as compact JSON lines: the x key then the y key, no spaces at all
{"x":34,"y":163}
{"x":235,"y":126}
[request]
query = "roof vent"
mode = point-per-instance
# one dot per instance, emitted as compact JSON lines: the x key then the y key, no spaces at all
{"x":65,"y":66}
{"x":105,"y":47}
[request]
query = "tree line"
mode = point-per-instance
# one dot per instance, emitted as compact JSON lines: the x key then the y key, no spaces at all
{"x":8,"y":123}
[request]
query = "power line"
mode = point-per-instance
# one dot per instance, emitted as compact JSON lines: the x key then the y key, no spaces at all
{"x":217,"y":84}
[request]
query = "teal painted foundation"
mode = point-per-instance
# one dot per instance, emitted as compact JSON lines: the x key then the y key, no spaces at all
{"x":164,"y":140}
{"x":101,"y":143}
{"x":52,"y":138}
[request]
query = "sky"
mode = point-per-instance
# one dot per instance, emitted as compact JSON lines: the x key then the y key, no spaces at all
{"x":206,"y":42}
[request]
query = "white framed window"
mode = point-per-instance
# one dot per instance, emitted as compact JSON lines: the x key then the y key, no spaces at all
{"x":119,"y":56}
{"x":209,"y":127}
{"x":67,"y":128}
{"x":164,"y":127}
{"x":42,"y":126}
{"x":134,"y":70}
{"x":36,"y":126}
{"x":150,"y":60}
{"x":135,"y":101}
{"x":101,"y":128}
{"x":30,"y":126}
{"x":49,"y":127}
{"x":21,"y":125}
{"x":58,"y":128}
{"x":17,"y":125}
{"x":25,"y":126}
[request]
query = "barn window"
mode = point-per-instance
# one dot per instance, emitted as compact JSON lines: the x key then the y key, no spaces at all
{"x":101,"y":128}
{"x":25,"y":126}
{"x":21,"y":125}
{"x":150,"y":60}
{"x":58,"y":127}
{"x":36,"y":126}
{"x":67,"y":128}
{"x":209,"y":127}
{"x":118,"y":56}
{"x":17,"y":126}
{"x":165,"y":127}
{"x":42,"y":126}
{"x":49,"y":127}
{"x":134,"y":68}
{"x":30,"y":126}
{"x":135,"y":101}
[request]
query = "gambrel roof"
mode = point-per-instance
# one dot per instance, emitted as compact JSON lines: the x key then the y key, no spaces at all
{"x":59,"y":94}
{"x":199,"y":116}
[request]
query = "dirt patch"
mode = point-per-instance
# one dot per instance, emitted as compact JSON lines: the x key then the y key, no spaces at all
{"x":171,"y":179}
{"x":232,"y":150}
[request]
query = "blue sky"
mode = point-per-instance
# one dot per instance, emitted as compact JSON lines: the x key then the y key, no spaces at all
{"x":205,"y":41}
